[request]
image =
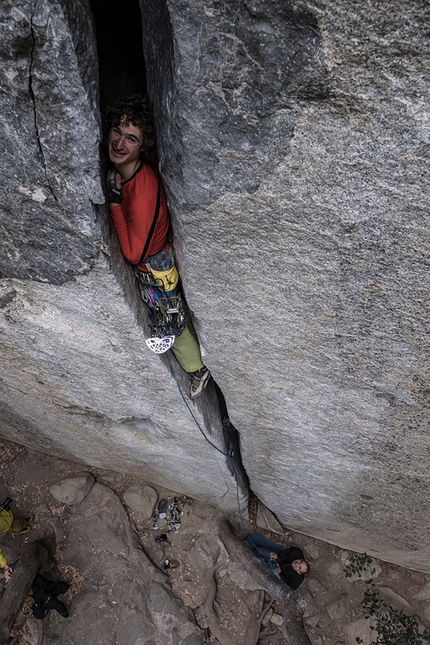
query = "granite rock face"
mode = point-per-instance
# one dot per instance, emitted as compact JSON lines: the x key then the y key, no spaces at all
{"x":50,"y":126}
{"x":294,"y":143}
{"x":293,"y":140}
{"x":77,"y":379}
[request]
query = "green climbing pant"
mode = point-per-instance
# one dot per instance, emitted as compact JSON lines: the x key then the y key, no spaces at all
{"x":187,"y":351}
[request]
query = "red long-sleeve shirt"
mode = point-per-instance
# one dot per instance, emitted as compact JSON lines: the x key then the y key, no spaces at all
{"x":133,"y":217}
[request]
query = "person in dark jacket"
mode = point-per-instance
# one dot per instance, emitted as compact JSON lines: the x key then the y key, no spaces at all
{"x":45,"y":594}
{"x":289,"y":564}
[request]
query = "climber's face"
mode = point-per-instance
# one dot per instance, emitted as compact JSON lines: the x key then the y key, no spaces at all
{"x":301,"y":566}
{"x":125,"y":144}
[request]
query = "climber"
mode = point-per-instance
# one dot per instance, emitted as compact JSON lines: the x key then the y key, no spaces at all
{"x":288,"y":564}
{"x":139,"y":212}
{"x":14,"y":526}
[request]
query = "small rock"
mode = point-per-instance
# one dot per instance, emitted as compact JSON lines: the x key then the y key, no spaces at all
{"x":33,"y":634}
{"x":316,"y":639}
{"x":313,"y":621}
{"x":312,"y":550}
{"x":314,"y":586}
{"x":141,"y":499}
{"x":336,"y":609}
{"x":72,"y":490}
{"x":203,"y":553}
{"x":424,"y":593}
{"x":242,"y":578}
{"x":42,"y":511}
{"x":276,"y":619}
{"x":311,"y":606}
{"x":254,"y":597}
{"x":358,"y":629}
{"x":334,"y":569}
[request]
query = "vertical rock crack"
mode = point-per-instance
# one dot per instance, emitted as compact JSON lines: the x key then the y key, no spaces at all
{"x":33,"y":100}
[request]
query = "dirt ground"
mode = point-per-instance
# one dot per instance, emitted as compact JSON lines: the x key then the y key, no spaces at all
{"x":333,"y":614}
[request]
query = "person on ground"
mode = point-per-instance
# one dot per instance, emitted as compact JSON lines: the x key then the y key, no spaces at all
{"x":139,"y":212}
{"x":14,"y":526}
{"x":288,"y":563}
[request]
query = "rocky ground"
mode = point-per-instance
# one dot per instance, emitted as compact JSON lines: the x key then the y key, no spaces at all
{"x":121,"y":595}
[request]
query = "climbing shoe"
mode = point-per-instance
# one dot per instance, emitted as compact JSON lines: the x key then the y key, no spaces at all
{"x":198,"y":382}
{"x":26,"y":528}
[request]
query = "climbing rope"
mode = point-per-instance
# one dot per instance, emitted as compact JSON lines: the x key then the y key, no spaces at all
{"x":229,"y":453}
{"x":175,"y":376}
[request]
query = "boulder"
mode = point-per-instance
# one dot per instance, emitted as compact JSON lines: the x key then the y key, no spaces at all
{"x":72,"y":490}
{"x":141,"y":499}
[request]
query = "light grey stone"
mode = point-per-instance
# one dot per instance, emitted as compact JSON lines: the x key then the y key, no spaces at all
{"x":337,"y":609}
{"x":204,"y":552}
{"x":314,"y":586}
{"x":312,"y":550}
{"x":141,"y":499}
{"x":311,"y":606}
{"x":277,"y":619}
{"x":242,"y":578}
{"x":358,"y":629}
{"x":313,"y":621}
{"x":33,"y":634}
{"x":316,"y":639}
{"x":72,"y":490}
{"x":334,"y":569}
{"x":423,"y":593}
{"x":254,"y":597}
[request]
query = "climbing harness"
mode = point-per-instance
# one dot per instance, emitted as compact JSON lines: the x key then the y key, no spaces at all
{"x":166,"y":311}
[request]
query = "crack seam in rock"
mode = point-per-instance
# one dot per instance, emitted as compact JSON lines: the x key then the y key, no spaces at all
{"x":33,"y":100}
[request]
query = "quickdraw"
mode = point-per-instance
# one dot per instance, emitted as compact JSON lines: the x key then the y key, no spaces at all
{"x":167,"y":313}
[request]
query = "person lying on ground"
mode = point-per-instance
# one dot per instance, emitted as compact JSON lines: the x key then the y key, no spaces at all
{"x":139,"y":212}
{"x":14,"y":526}
{"x":288,"y":563}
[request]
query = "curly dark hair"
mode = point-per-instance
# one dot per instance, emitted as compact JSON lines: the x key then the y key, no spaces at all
{"x":135,"y":110}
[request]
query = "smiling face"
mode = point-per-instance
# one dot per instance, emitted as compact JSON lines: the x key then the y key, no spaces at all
{"x":301,"y":566}
{"x":125,"y":145}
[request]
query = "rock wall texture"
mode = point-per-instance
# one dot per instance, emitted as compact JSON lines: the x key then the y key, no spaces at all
{"x":293,"y":141}
{"x":294,"y":146}
{"x":76,"y":378}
